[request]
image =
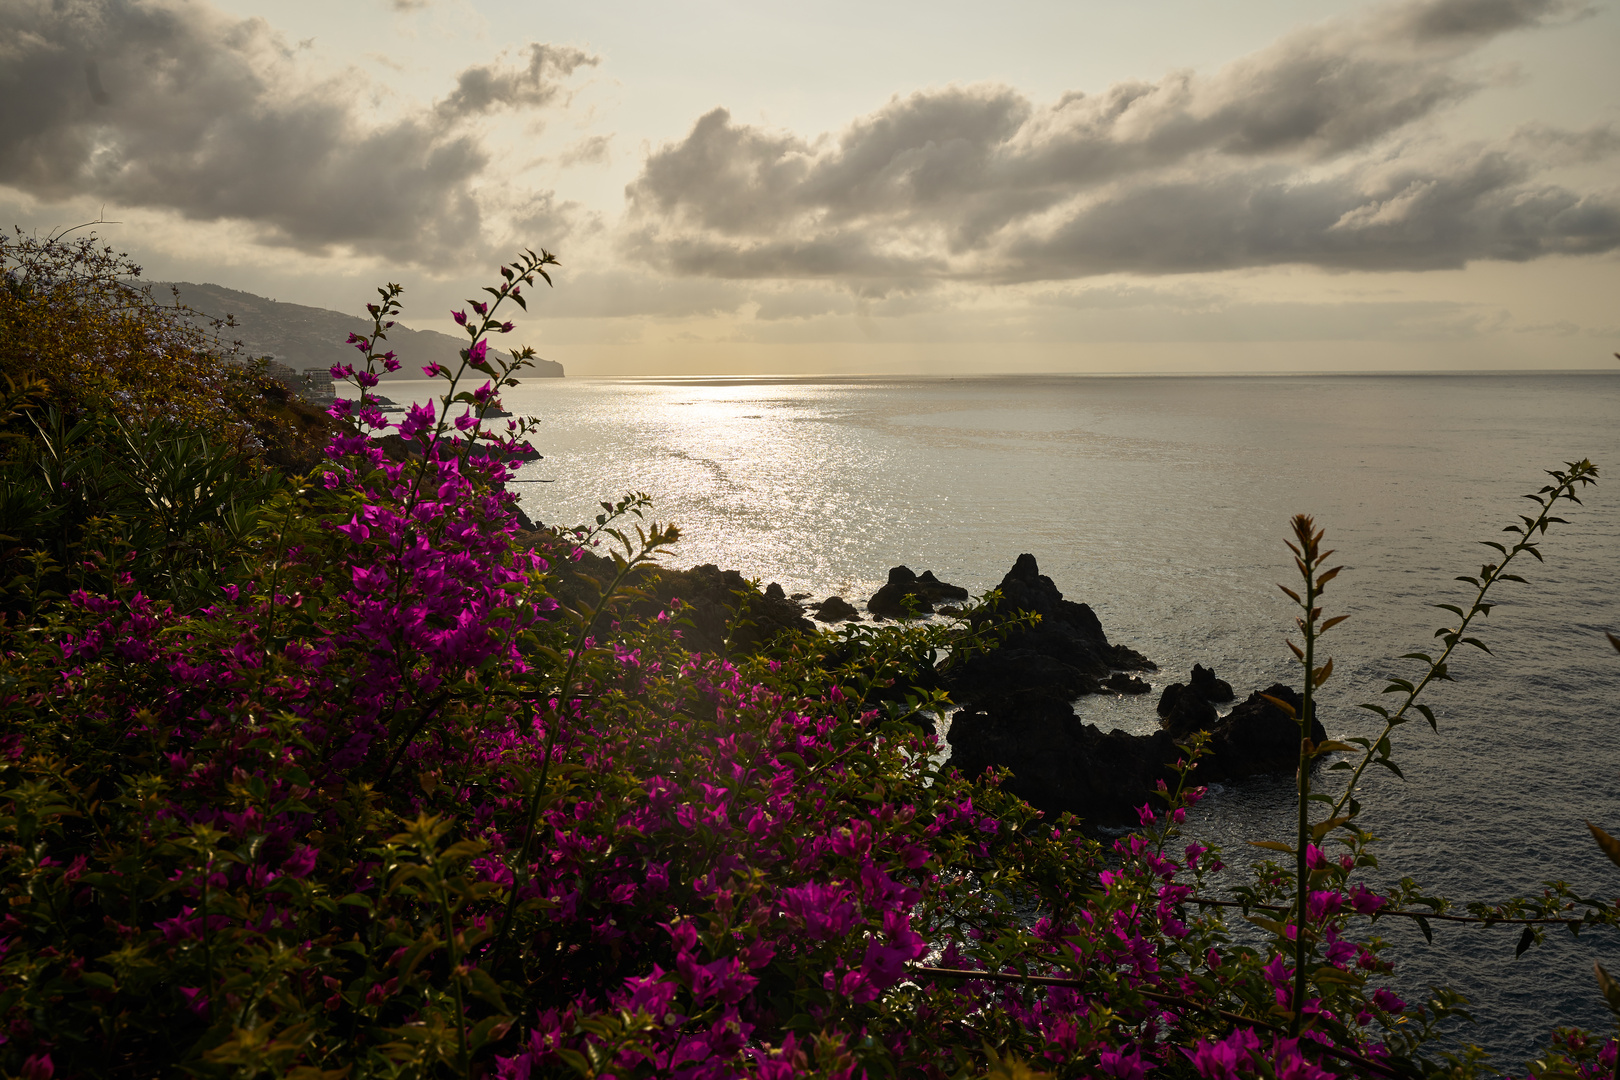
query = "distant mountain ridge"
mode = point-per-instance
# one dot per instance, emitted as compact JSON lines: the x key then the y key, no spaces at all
{"x":309,"y":337}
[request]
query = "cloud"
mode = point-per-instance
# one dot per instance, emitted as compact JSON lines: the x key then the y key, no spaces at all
{"x":592,"y":150}
{"x":170,"y":104}
{"x":486,"y":87}
{"x":1315,"y":150}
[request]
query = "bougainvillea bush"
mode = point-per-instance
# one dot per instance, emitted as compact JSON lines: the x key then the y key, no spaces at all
{"x":381,"y":806}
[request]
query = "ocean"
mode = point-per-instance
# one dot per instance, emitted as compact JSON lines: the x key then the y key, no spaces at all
{"x":1164,"y":503}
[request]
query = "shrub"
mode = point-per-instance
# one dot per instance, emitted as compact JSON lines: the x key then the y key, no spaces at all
{"x":76,"y":323}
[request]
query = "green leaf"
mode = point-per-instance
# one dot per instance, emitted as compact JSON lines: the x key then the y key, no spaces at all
{"x":1321,"y":829}
{"x":1272,"y":925}
{"x":1334,"y":975}
{"x":1281,"y":704}
{"x":1272,"y":845}
{"x":1476,"y":643}
{"x":1611,"y":990}
{"x":491,"y":1027}
{"x":1333,"y":745}
{"x":1423,"y":925}
{"x":1610,"y":846}
{"x":1526,"y":939}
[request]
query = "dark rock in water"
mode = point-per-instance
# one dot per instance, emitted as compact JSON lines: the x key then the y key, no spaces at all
{"x":1205,"y":683}
{"x":726,"y":613}
{"x":1064,"y":655}
{"x":1205,"y":688}
{"x":925,"y":589}
{"x":1121,"y":683}
{"x":1007,"y":674}
{"x":719,"y":612}
{"x":1026,"y":589}
{"x":1257,"y":737}
{"x":1187,"y":712}
{"x":835,"y":609}
{"x":1059,"y":764}
{"x":1168,"y":699}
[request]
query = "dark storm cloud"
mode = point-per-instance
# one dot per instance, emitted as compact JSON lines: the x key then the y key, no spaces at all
{"x":1313,"y":150}
{"x":173,"y":105}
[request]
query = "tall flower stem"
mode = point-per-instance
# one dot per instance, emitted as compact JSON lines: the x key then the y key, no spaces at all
{"x":1576,"y":474}
{"x":1308,"y":558}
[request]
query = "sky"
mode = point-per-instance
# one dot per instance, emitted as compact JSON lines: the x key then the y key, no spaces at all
{"x":943,"y":188}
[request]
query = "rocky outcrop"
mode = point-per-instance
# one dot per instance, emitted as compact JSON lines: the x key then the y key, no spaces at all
{"x":1203,"y":685}
{"x":1186,"y":714}
{"x":1062,"y":656}
{"x":835,"y":609}
{"x":1064,"y":623}
{"x":1257,"y":737}
{"x":924,"y":591}
{"x":1215,"y":690}
{"x":724,"y":610}
{"x":1060,"y":764}
{"x":719,"y":611}
{"x":1121,"y":683}
{"x":1007,"y":676}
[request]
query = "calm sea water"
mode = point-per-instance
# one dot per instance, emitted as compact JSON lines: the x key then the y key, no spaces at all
{"x":1163,"y":503}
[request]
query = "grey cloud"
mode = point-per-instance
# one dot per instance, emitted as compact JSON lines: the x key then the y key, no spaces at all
{"x":1410,"y":219}
{"x":731,"y":179}
{"x":486,"y":87}
{"x":170,"y":104}
{"x":592,"y":150}
{"x":1556,"y":147}
{"x":1311,"y":150}
{"x":541,"y":221}
{"x":1471,"y":20}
